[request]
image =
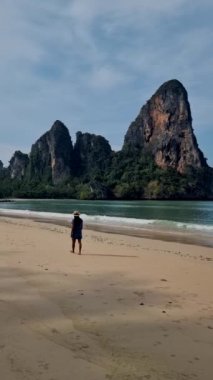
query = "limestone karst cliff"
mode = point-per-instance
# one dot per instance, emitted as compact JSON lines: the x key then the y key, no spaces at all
{"x":18,"y":165}
{"x":164,"y":128}
{"x":92,"y":154}
{"x":51,"y":157}
{"x":160,"y":159}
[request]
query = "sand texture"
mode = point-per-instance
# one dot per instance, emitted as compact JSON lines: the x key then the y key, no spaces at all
{"x":128,"y":308}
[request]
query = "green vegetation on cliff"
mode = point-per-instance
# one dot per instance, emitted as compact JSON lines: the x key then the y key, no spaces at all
{"x":127,"y":176}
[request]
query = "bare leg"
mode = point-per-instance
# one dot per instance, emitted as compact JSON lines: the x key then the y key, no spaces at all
{"x":80,"y":246}
{"x":73,"y":245}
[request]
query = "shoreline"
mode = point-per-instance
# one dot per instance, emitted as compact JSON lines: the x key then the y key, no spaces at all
{"x":127,"y":308}
{"x":203,"y":240}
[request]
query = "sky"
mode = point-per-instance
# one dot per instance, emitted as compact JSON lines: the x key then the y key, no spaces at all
{"x":93,"y":64}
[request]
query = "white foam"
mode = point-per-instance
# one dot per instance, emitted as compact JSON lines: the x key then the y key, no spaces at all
{"x":112,"y":221}
{"x":36,"y":214}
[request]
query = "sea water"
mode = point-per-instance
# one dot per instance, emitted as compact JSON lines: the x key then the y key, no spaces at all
{"x":192,"y":216}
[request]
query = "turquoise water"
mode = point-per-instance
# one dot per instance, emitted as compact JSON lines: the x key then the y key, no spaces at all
{"x":179,"y":213}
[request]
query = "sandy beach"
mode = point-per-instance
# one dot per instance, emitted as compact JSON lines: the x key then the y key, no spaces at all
{"x":128,"y":308}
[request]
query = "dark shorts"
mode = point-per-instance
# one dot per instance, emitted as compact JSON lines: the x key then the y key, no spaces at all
{"x":76,"y":235}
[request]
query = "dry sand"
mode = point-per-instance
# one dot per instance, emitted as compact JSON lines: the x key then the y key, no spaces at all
{"x":127,"y":309}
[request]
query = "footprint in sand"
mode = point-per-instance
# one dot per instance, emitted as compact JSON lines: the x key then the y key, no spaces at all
{"x":139,"y":294}
{"x":158,"y":343}
{"x":55,"y":331}
{"x":43,"y":365}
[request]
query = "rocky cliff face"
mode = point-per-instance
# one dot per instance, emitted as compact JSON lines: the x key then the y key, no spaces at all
{"x":164,"y":128}
{"x":162,"y":133}
{"x":51,"y":156}
{"x":18,"y":165}
{"x":99,"y":191}
{"x":92,"y":154}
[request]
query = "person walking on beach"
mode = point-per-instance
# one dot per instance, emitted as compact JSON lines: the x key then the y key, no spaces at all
{"x":76,"y":231}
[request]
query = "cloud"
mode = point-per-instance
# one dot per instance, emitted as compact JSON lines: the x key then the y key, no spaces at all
{"x":106,"y":77}
{"x":93,"y":64}
{"x":87,"y":11}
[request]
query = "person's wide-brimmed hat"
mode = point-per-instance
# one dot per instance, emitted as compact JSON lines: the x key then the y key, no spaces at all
{"x":76,"y":213}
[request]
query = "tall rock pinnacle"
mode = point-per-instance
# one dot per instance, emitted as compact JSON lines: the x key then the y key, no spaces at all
{"x":51,"y":155}
{"x":164,"y":128}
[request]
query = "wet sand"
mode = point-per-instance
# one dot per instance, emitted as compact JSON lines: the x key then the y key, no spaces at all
{"x":128,"y":308}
